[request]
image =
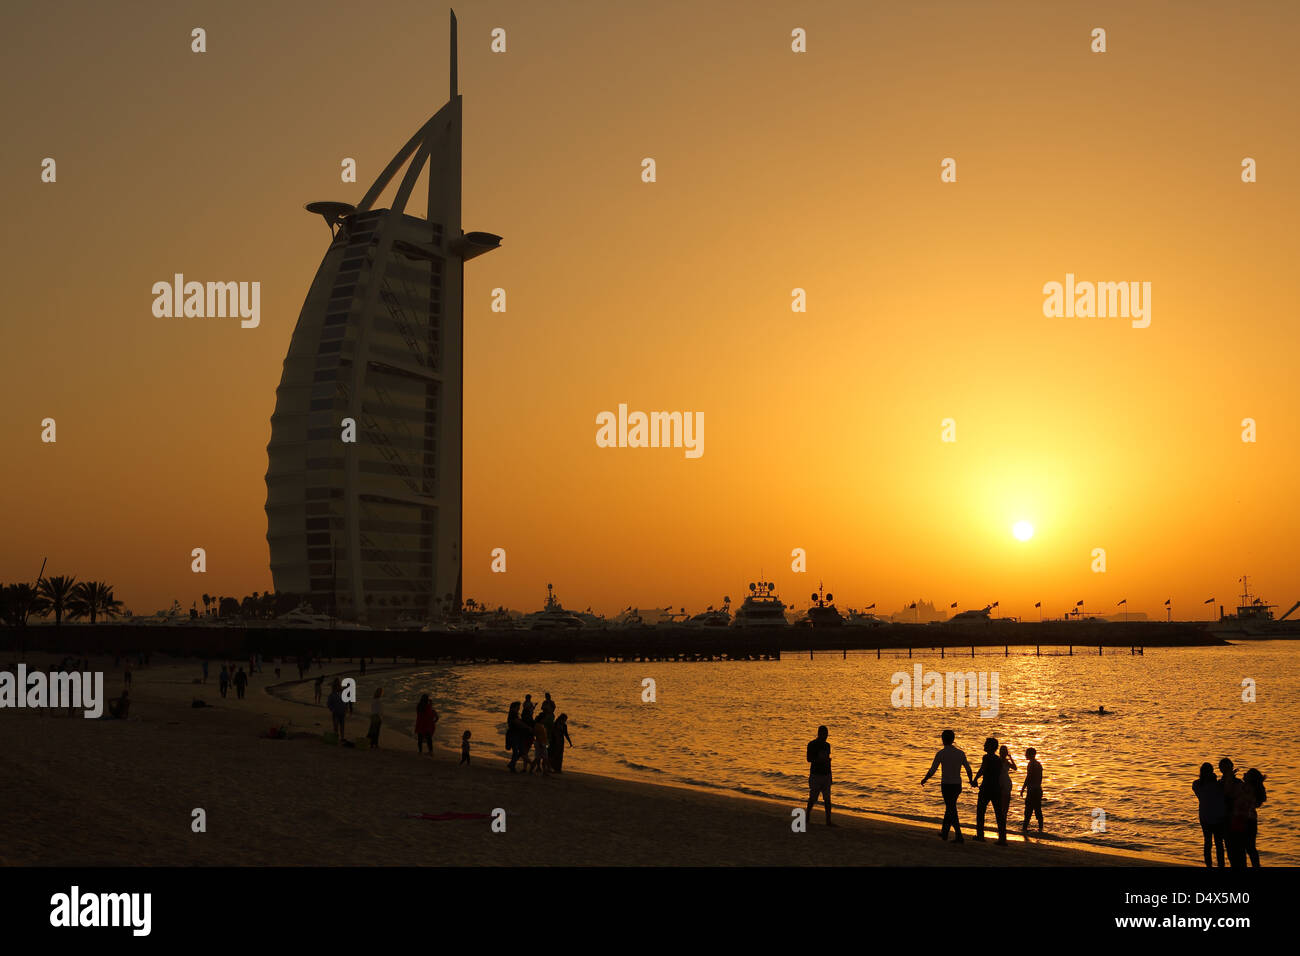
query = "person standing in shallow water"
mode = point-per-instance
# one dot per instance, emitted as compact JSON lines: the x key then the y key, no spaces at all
{"x":559,"y":734}
{"x":464,"y":747}
{"x":952,"y":760}
{"x":1211,"y":810}
{"x":819,"y":773}
{"x":1034,"y":785}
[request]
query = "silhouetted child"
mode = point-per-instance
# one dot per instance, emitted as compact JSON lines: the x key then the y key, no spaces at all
{"x":464,"y":747}
{"x":1034,"y":786}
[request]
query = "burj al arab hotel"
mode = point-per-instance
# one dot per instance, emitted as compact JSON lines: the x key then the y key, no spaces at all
{"x":363,"y":482}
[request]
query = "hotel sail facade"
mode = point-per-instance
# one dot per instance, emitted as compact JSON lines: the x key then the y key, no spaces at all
{"x":370,"y":529}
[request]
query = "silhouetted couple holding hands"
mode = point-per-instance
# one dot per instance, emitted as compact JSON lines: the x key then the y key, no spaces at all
{"x":994,"y":782}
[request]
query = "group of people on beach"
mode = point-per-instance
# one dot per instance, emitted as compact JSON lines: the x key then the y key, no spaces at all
{"x":993,"y":781}
{"x":539,"y":739}
{"x":1227,"y":808}
{"x":1227,"y":805}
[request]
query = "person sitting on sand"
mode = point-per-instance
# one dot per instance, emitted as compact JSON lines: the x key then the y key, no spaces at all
{"x":119,"y":708}
{"x":426,"y":722}
{"x":377,"y":719}
{"x":558,"y":734}
{"x":338,"y":710}
{"x":1211,"y":810}
{"x":464,"y":747}
{"x":1034,"y":785}
{"x":952,"y":760}
{"x":819,"y":772}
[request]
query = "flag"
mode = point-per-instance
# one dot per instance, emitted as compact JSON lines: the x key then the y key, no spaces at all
{"x":912,"y":606}
{"x":994,"y":604}
{"x":1167,"y":602}
{"x":954,"y":604}
{"x":1208,"y":601}
{"x":1078,"y":604}
{"x":871,"y":605}
{"x":1125,"y":601}
{"x":1038,"y":604}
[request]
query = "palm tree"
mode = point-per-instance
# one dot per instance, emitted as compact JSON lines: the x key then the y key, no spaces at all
{"x":105,"y":603}
{"x":207,"y":601}
{"x":54,"y":594}
{"x":92,"y":599}
{"x":15,"y":601}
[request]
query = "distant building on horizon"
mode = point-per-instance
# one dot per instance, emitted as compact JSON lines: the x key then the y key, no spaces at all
{"x":923,"y":612}
{"x":370,"y":528}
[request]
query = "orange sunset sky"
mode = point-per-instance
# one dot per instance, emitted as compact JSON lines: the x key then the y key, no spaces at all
{"x":776,"y":170}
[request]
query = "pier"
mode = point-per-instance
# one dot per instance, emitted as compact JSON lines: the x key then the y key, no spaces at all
{"x":674,"y":643}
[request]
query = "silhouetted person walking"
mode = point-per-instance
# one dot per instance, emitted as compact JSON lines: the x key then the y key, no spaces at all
{"x":1032,"y":789}
{"x":241,"y":681}
{"x":990,"y":791}
{"x":464,"y":747}
{"x":951,"y":759}
{"x":819,"y":772}
{"x":223,"y":680}
{"x":1211,"y":810}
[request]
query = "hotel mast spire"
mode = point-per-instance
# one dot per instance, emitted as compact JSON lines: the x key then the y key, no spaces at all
{"x":454,"y":84}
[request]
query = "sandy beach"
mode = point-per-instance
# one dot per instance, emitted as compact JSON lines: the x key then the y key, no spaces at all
{"x":80,"y":792}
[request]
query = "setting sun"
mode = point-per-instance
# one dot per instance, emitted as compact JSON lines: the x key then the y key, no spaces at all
{"x":1023,"y":530}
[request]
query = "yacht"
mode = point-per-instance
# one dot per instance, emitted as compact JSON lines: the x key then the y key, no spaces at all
{"x":822,"y":612}
{"x":762,"y":608}
{"x":553,"y":616}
